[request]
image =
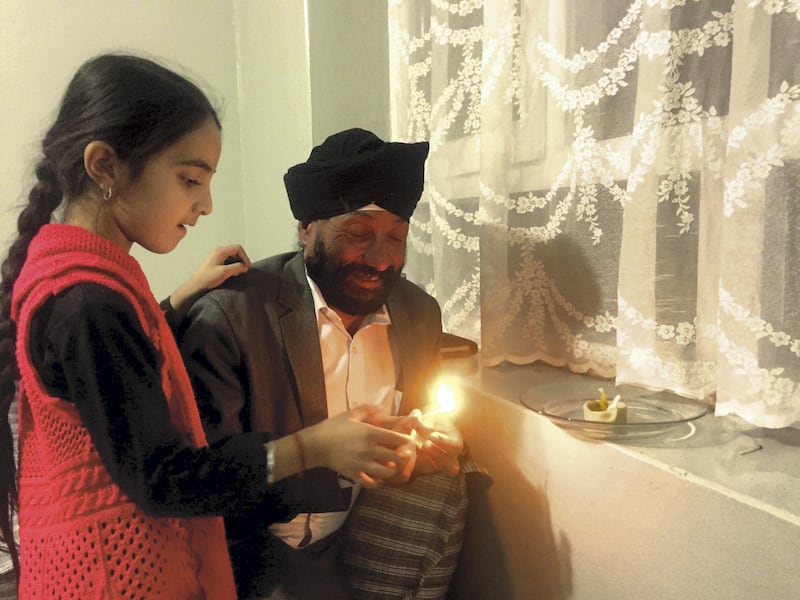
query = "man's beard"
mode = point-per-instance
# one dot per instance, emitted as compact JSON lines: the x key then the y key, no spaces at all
{"x":333,"y":280}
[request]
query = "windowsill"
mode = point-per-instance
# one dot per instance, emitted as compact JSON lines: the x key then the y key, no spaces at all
{"x":755,"y":466}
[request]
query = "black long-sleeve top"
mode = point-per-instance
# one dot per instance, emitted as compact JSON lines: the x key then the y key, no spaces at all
{"x":88,"y":348}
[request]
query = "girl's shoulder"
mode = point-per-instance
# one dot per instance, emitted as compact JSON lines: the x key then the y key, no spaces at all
{"x":84,"y":303}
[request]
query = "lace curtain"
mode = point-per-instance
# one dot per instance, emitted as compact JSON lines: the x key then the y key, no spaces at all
{"x":613,"y":187}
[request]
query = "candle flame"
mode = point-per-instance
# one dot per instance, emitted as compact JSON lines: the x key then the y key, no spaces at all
{"x":445,"y":401}
{"x":445,"y":398}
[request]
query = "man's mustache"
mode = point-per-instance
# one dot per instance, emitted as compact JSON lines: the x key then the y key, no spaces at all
{"x":386,"y":276}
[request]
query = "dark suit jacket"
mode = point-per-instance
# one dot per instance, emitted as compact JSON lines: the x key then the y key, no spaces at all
{"x":252,"y":351}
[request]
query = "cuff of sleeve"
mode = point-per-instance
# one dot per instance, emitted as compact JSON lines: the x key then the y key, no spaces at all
{"x":270,"y":448}
{"x":170,"y":314}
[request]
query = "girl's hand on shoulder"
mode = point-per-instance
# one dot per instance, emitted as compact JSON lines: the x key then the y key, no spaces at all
{"x":220,"y":265}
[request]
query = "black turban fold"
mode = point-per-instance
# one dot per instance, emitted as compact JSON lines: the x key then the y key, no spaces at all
{"x":352,"y":169}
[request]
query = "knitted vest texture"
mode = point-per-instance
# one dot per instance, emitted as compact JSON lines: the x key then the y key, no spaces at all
{"x":81,"y":537}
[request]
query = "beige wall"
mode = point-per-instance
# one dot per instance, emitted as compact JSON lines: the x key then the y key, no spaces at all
{"x":349,"y":58}
{"x":253,"y":56}
{"x":42,"y":42}
{"x":275,"y":133}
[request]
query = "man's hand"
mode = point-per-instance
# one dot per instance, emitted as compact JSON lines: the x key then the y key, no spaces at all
{"x":440,"y":445}
{"x":405,"y":425}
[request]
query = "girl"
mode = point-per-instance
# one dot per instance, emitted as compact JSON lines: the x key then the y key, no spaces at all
{"x":118,"y":493}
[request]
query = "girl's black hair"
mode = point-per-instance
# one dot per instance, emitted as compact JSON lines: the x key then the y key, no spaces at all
{"x":139,"y":108}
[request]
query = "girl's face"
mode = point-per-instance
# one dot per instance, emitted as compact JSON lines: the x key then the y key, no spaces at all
{"x":171,"y":192}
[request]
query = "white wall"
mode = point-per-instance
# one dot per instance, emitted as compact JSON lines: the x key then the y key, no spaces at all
{"x":42,"y":42}
{"x":252,"y":56}
{"x":275,"y":99}
{"x":349,"y":58}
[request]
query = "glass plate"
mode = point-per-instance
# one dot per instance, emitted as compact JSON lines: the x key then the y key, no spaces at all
{"x":649,"y":413}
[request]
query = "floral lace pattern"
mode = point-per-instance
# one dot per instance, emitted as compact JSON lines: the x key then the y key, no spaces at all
{"x":616,"y":194}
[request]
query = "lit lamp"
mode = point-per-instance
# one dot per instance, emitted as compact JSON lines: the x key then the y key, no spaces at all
{"x":445,"y":401}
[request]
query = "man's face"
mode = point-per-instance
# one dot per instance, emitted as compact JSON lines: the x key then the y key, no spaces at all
{"x":356,"y":258}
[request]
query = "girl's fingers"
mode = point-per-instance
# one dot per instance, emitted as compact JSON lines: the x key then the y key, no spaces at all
{"x":377,"y":472}
{"x":234,"y":255}
{"x":385,"y":454}
{"x":362,"y":412}
{"x":367,"y":480}
{"x":234,"y":268}
{"x":387,"y":437}
{"x":398,"y":423}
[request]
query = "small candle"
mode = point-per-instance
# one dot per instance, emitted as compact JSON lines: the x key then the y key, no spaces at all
{"x":445,"y":403}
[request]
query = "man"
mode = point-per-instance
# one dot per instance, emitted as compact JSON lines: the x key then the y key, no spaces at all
{"x":306,"y":336}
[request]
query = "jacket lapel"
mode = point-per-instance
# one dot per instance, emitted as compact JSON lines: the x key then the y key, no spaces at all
{"x":299,"y":330}
{"x":404,"y":336}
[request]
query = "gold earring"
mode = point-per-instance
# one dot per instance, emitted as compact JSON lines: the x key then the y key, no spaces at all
{"x":107,"y":194}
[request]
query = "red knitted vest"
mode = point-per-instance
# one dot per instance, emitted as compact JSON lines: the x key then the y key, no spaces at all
{"x":81,"y":537}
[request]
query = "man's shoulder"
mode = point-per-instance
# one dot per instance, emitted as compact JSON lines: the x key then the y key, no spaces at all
{"x":272,"y":266}
{"x":265,"y":272}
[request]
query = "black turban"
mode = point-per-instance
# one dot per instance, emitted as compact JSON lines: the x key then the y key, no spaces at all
{"x":352,"y":169}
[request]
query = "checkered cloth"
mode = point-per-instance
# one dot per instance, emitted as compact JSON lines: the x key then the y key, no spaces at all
{"x":403,"y":542}
{"x":8,"y":586}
